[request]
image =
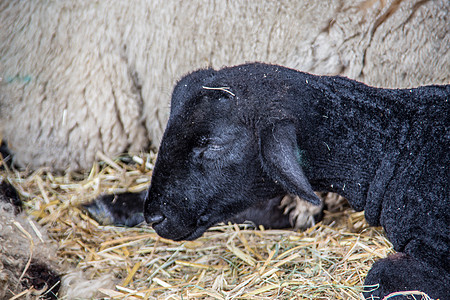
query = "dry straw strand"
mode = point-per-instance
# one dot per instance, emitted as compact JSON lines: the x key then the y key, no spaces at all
{"x":327,"y":261}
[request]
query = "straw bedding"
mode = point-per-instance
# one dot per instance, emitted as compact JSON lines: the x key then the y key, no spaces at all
{"x":327,"y":261}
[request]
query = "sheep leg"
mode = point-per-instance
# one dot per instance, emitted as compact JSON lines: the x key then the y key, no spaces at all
{"x":405,"y":276}
{"x":302,"y":214}
{"x":127,"y":210}
{"x":268,"y":214}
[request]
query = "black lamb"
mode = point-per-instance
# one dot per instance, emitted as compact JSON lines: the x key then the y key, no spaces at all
{"x":253,"y":132}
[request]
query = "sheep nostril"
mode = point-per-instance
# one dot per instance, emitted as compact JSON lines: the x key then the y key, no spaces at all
{"x":154,"y":219}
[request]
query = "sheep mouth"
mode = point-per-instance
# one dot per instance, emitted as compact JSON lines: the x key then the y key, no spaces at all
{"x":167,"y":230}
{"x":203,"y":225}
{"x":193,"y":235}
{"x":163,"y":230}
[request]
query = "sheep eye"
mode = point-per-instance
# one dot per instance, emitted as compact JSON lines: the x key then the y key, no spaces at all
{"x":215,"y":147}
{"x":207,"y":149}
{"x":205,"y":144}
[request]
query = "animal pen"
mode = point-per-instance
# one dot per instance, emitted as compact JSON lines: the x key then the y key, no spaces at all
{"x":393,"y":43}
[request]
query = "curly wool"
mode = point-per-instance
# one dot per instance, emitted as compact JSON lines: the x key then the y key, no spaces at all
{"x":29,"y":263}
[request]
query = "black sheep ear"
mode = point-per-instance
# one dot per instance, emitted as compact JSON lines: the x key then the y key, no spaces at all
{"x":281,"y":159}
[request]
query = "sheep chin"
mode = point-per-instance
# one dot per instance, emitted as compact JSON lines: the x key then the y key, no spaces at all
{"x":192,"y":235}
{"x":165,"y":229}
{"x":198,"y":232}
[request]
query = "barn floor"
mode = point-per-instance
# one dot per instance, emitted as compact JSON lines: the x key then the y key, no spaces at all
{"x":328,"y":261}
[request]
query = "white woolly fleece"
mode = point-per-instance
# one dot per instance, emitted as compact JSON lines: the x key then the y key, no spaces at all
{"x":79,"y":77}
{"x":20,"y":241}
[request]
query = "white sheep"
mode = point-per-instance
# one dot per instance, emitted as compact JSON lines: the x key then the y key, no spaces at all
{"x":78,"y":77}
{"x":28,"y":259}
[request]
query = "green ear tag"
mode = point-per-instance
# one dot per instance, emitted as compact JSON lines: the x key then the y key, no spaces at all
{"x":300,"y":155}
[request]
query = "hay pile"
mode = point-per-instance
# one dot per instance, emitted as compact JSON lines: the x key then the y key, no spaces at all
{"x":328,"y":261}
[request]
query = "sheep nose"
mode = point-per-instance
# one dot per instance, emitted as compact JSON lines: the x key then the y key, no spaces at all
{"x":154,"y":219}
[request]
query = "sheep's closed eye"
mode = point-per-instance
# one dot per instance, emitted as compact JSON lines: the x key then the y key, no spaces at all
{"x":207,"y":149}
{"x":215,"y":147}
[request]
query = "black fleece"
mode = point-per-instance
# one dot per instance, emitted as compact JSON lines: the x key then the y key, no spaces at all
{"x":246,"y":134}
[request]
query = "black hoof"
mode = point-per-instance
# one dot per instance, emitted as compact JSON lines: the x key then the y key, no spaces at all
{"x":125,"y":209}
{"x":268,"y":214}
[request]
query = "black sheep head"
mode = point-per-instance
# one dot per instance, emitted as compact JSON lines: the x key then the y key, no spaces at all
{"x":221,"y":153}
